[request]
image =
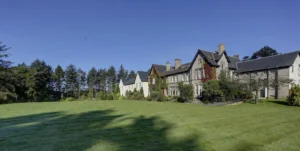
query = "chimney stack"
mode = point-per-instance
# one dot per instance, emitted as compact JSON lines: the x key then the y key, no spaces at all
{"x":236,"y":56}
{"x":221,"y":48}
{"x":168,"y":66}
{"x":177,"y":63}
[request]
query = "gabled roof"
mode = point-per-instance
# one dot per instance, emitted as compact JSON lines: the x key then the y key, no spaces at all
{"x":143,"y":75}
{"x":159,"y":68}
{"x":129,"y":81}
{"x":271,"y":62}
{"x":183,"y":68}
{"x":233,"y":62}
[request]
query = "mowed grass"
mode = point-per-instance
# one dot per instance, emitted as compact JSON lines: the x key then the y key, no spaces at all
{"x":141,"y":125}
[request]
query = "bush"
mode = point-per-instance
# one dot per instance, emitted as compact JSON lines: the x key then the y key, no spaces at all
{"x":69,"y":99}
{"x":109,"y":96}
{"x":294,"y":98}
{"x":186,"y":92}
{"x":155,"y":95}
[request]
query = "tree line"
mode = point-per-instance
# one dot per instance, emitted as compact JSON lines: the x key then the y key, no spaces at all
{"x":38,"y":81}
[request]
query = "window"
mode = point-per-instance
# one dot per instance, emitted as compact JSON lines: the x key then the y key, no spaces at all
{"x":199,"y":73}
{"x":173,"y":79}
{"x":153,"y":81}
{"x":187,"y":77}
{"x":199,"y":61}
{"x":195,"y":75}
{"x":203,"y":73}
{"x":183,"y":77}
{"x":176,"y":78}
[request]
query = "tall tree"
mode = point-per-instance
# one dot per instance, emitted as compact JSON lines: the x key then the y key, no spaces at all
{"x":81,"y":80}
{"x":122,"y":73}
{"x":91,"y":81}
{"x":131,"y":75}
{"x":264,"y":52}
{"x":6,"y":81}
{"x":20,"y":74}
{"x":102,"y":79}
{"x":71,"y":79}
{"x":111,"y":78}
{"x":38,"y":81}
{"x":58,"y":77}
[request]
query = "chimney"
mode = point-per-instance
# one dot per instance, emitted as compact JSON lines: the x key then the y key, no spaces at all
{"x":177,"y":63}
{"x":236,"y":56}
{"x":221,"y":48}
{"x":168,"y":66}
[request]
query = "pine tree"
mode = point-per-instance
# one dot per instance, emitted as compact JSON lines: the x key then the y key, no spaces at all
{"x":131,"y":75}
{"x":91,"y":81}
{"x":7,"y":89}
{"x":38,"y":81}
{"x":58,"y":77}
{"x":122,"y":73}
{"x":102,"y":79}
{"x":81,"y":80}
{"x":111,"y":78}
{"x":71,"y":79}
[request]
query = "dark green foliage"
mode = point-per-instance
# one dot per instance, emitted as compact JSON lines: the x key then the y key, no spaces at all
{"x":264,"y":52}
{"x":157,"y":96}
{"x":246,"y":58}
{"x":91,"y":81}
{"x":135,"y":95}
{"x":71,"y":81}
{"x":38,"y":81}
{"x":81,"y":80}
{"x":20,"y":74}
{"x":111,"y":78}
{"x":101,"y":81}
{"x":58,"y":77}
{"x":131,"y":75}
{"x":122,"y":73}
{"x":212,"y":91}
{"x":117,"y":89}
{"x":294,"y":97}
{"x":7,"y":88}
{"x":186,"y":92}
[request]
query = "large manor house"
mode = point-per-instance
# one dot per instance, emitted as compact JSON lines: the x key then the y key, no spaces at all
{"x":207,"y":65}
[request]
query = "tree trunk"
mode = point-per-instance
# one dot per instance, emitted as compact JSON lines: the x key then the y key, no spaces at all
{"x":256,"y":96}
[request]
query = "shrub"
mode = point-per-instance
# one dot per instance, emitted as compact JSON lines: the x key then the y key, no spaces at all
{"x":109,"y":96}
{"x":155,"y":95}
{"x":294,"y":98}
{"x":69,"y":99}
{"x":212,"y":91}
{"x":186,"y":92}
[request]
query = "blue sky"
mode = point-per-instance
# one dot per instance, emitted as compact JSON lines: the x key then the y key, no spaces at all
{"x":137,"y":33}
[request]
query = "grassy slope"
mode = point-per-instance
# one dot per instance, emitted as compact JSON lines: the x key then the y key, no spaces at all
{"x":132,"y":125}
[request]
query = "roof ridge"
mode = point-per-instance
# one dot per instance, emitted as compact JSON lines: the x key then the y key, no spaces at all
{"x":269,"y":56}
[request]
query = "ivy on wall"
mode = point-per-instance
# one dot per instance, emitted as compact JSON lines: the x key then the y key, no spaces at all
{"x":210,"y":72}
{"x":160,"y":83}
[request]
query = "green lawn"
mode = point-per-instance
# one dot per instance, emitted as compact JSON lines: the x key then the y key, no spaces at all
{"x":141,"y":125}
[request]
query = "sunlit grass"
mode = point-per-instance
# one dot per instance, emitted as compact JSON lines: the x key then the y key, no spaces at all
{"x":142,"y":125}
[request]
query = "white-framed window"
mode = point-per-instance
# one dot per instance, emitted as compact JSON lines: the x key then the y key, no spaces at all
{"x":196,"y":89}
{"x":199,"y":74}
{"x":173,"y":79}
{"x":195,"y":75}
{"x":153,"y":80}
{"x":183,"y":77}
{"x":176,"y":78}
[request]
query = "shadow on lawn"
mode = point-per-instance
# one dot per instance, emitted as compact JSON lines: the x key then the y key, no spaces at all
{"x":60,"y":131}
{"x":280,"y":102}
